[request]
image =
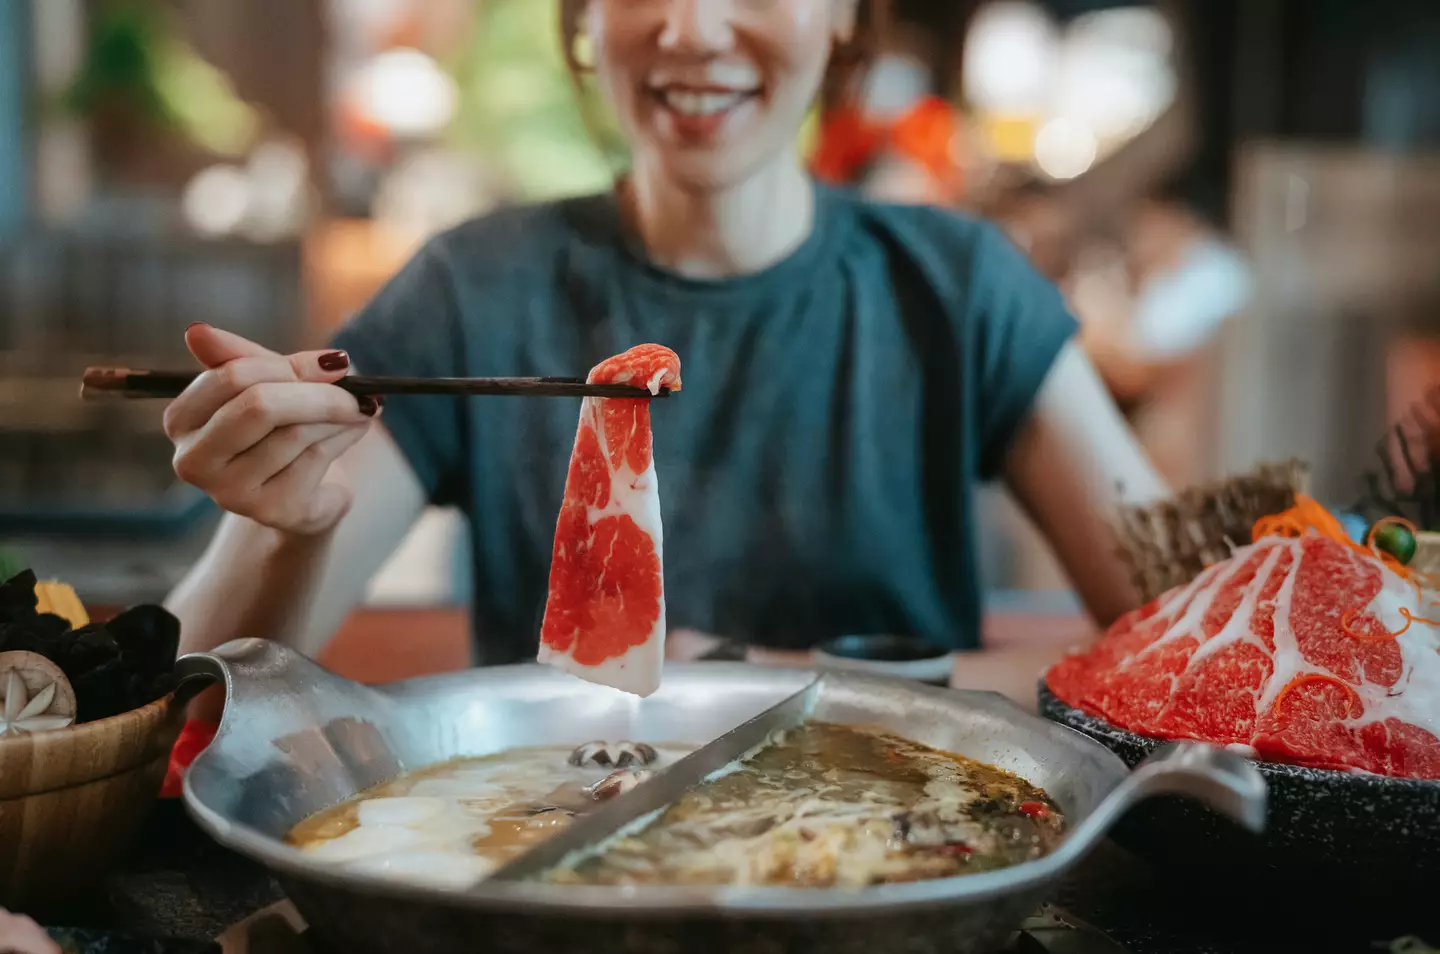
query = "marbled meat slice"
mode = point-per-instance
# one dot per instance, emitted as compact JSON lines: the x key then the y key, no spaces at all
{"x":605,"y":613}
{"x":1290,"y":647}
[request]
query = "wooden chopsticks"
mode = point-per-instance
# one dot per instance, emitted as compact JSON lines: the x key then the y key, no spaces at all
{"x":123,"y":382}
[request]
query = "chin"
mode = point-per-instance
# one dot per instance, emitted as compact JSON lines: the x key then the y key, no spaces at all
{"x":709,"y":171}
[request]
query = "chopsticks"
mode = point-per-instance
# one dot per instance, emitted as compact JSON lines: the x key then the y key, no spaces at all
{"x":126,"y":383}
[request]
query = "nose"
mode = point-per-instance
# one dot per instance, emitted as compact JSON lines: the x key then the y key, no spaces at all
{"x":698,"y":26}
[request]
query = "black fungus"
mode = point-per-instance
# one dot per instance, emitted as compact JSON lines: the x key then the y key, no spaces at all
{"x":114,"y":667}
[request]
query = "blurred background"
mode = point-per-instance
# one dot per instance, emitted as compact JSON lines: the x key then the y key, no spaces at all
{"x":1241,"y":199}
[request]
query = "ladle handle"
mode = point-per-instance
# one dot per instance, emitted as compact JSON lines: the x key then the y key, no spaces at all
{"x":1223,"y":781}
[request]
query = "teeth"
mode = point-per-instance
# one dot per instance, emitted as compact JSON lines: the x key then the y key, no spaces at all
{"x":700,"y":104}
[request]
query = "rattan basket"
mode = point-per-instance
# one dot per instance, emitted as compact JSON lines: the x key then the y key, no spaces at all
{"x":1167,"y":544}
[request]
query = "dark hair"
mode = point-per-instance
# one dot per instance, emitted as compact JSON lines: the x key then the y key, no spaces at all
{"x":847,"y":63}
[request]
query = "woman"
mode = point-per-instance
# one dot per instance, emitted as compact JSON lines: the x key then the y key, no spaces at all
{"x":852,"y":372}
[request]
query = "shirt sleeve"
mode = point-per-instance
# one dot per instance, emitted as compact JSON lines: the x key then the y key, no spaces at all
{"x":1021,"y":324}
{"x":412,"y":328}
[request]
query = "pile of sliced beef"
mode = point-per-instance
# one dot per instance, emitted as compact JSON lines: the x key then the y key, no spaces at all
{"x":1288,"y":648}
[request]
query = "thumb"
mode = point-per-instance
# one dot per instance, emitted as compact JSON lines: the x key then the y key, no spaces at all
{"x":213,"y":347}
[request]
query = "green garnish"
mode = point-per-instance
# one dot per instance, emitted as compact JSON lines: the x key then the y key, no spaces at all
{"x":1396,"y":540}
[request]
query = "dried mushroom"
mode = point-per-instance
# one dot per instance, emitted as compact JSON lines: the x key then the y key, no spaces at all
{"x":617,"y":754}
{"x":113,"y":667}
{"x":35,"y":696}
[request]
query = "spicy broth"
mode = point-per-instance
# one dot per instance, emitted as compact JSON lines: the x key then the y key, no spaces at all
{"x":823,"y":805}
{"x":834,"y":805}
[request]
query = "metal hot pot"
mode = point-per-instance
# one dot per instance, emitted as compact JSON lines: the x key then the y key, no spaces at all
{"x":296,"y":739}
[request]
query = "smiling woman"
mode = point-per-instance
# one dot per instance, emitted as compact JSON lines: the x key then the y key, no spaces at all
{"x":854,"y":371}
{"x":750,"y":99}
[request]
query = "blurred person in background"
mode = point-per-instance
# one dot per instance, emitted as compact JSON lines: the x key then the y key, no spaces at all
{"x":1140,"y":245}
{"x":1150,"y":310}
{"x":853,"y":372}
{"x":891,"y":129}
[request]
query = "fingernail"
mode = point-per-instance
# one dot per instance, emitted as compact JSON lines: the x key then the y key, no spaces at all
{"x":196,"y":324}
{"x":369,"y":406}
{"x":334,"y":361}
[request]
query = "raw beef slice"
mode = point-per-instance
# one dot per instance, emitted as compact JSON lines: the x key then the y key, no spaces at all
{"x":605,"y":613}
{"x":1290,"y":648}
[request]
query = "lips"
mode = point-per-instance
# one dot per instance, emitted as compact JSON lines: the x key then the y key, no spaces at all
{"x":694,"y":102}
{"x":701,"y":112}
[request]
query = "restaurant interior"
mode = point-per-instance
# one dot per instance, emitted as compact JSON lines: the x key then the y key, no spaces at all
{"x":1232,"y":195}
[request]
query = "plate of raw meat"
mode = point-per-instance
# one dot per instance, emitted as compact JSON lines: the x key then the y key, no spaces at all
{"x":1319,"y":658}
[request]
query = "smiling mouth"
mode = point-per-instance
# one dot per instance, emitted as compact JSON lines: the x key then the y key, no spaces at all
{"x":701,"y":103}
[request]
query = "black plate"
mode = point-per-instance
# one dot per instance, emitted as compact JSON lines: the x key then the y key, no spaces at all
{"x":900,"y":657}
{"x":883,"y":648}
{"x":1365,"y":842}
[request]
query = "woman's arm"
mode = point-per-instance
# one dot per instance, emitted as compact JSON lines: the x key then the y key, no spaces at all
{"x":257,"y":581}
{"x":1072,"y":464}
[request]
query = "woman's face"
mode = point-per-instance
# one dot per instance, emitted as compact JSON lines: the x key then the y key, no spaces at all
{"x":710,"y":91}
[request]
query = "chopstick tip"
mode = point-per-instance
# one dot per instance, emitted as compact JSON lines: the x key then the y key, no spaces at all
{"x":99,"y":380}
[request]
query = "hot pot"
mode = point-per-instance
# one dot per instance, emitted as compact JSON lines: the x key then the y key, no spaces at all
{"x":295,"y":739}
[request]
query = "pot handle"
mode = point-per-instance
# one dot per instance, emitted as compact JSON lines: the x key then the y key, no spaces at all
{"x":254,"y":666}
{"x":1224,"y":781}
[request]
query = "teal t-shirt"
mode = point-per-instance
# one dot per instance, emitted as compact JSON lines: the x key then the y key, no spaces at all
{"x":818,"y":472}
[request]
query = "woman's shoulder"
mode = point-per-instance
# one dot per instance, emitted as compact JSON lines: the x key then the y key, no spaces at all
{"x":950,"y":250}
{"x":916,"y":224}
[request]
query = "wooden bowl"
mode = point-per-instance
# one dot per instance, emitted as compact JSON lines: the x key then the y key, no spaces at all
{"x":72,"y":799}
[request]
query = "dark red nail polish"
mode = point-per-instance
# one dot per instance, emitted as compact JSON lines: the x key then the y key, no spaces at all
{"x":369,"y":406}
{"x":334,"y":361}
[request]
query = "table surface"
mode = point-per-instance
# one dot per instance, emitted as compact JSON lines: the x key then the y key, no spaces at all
{"x":177,"y":883}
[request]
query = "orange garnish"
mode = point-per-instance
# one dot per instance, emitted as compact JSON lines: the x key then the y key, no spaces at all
{"x":1308,"y":516}
{"x":1365,"y":638}
{"x":1298,"y":681}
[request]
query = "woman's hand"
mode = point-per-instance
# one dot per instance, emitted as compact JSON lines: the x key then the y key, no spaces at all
{"x":258,"y":431}
{"x":20,"y":935}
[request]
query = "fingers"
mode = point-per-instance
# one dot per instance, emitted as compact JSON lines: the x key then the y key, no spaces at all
{"x":215,"y":388}
{"x":258,"y":431}
{"x":213,"y":347}
{"x":313,"y":501}
{"x":281,"y":448}
{"x":253,"y":416}
{"x":291,"y":497}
